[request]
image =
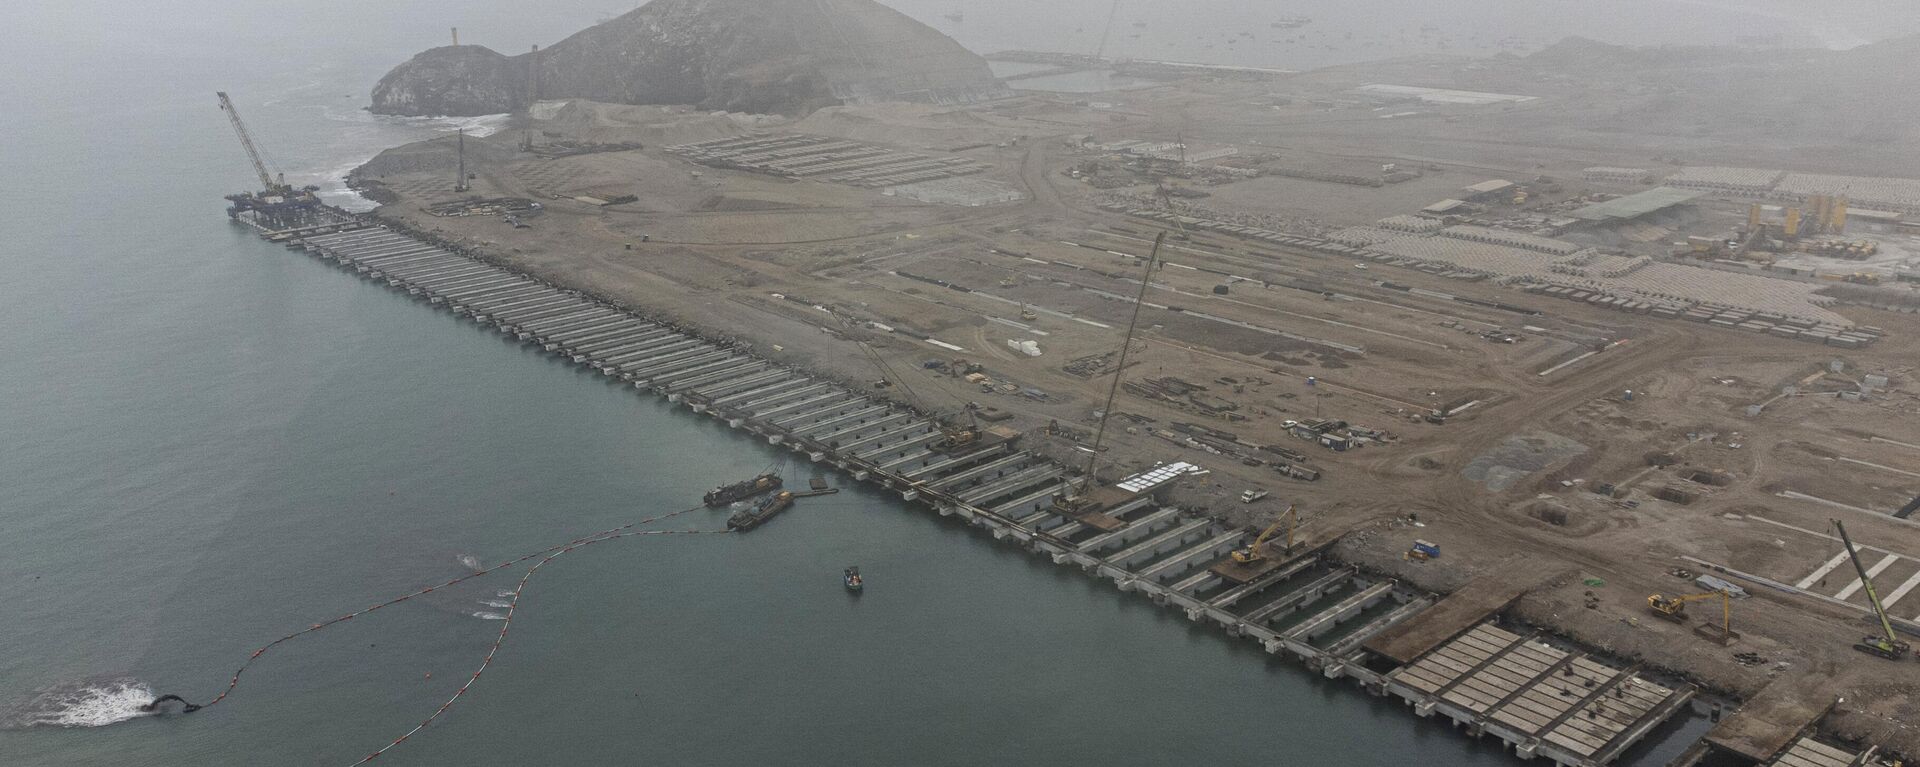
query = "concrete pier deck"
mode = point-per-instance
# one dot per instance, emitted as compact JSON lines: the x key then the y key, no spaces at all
{"x":1460,"y":611}
{"x":1766,"y":725}
{"x":1540,"y":699}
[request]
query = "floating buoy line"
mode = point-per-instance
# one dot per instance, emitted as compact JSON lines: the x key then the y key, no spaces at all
{"x":544,"y":556}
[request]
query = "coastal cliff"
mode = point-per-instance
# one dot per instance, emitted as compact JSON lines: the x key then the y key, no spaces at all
{"x":765,"y":56}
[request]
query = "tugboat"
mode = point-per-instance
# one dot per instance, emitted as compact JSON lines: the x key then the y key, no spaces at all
{"x":748,"y":519}
{"x":744,"y":489}
{"x":852,"y":578}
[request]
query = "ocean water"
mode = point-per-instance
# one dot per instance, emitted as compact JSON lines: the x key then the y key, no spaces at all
{"x":211,"y":442}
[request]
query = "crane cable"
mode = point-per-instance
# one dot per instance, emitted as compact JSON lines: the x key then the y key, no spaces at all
{"x":550,"y":552}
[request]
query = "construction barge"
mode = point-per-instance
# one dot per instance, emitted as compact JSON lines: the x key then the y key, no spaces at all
{"x":758,"y":514}
{"x":739,"y":491}
{"x":1462,"y":662}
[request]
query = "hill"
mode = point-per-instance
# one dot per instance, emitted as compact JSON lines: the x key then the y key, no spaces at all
{"x":766,"y":56}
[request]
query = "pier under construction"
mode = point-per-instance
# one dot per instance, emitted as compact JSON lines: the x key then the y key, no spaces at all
{"x":1458,"y":660}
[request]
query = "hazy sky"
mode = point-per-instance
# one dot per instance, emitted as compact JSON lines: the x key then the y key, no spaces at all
{"x":206,"y":27}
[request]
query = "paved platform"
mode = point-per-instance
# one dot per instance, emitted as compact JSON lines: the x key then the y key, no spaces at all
{"x":1768,"y":723}
{"x":1806,"y":752}
{"x":1455,"y":614}
{"x":1538,"y":696}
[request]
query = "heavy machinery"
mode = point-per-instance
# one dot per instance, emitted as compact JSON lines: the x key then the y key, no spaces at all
{"x":1257,"y":551}
{"x":1081,"y":501}
{"x":1675,"y":609}
{"x":953,"y":437}
{"x":1885,"y":645}
{"x":270,"y":183}
{"x":276,"y":197}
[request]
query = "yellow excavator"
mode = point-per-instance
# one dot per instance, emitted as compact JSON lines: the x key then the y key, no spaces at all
{"x":1675,"y":609}
{"x":1257,"y":551}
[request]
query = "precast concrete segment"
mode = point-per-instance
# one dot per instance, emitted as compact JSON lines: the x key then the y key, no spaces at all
{"x":1347,"y":645}
{"x":484,"y":281}
{"x":1177,"y":535}
{"x":517,"y":319}
{"x":1300,"y":597}
{"x":414,"y":272}
{"x":606,"y":322}
{"x":1126,"y":535}
{"x":463,"y":287}
{"x":602,"y":317}
{"x":852,"y":425}
{"x":494,"y":295}
{"x":562,"y":305}
{"x":648,"y":368}
{"x":654,"y":350}
{"x":746,"y":383}
{"x":473,"y":278}
{"x":679,"y":383}
{"x":421,"y":263}
{"x":529,"y":320}
{"x":952,"y":462}
{"x":1325,"y":620}
{"x":639,"y":349}
{"x":401,"y":256}
{"x":422,"y":266}
{"x":477,"y":299}
{"x":533,"y":327}
{"x":951,"y":481}
{"x":716,"y":360}
{"x":541,"y":304}
{"x":540,"y":296}
{"x":886,"y":452}
{"x":906,"y":428}
{"x":804,"y":412}
{"x":829,"y":426}
{"x":1203,"y":552}
{"x":1025,"y":507}
{"x":1233,"y":596}
{"x":628,"y":335}
{"x":795,"y":409}
{"x":585,"y":311}
{"x":1011,"y":483}
{"x":1192,"y":584}
{"x":897,"y":464}
{"x":373,"y":249}
{"x":749,"y":401}
{"x":479,"y":282}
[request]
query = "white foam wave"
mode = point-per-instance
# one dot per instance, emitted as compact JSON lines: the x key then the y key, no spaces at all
{"x":88,"y":704}
{"x":495,"y":603}
{"x":480,"y":126}
{"x":490,"y":616}
{"x":508,"y":593}
{"x":470,"y":561}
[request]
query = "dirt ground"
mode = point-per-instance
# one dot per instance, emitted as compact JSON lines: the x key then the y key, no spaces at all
{"x":1692,"y":481}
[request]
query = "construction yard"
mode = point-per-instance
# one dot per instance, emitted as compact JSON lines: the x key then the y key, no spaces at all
{"x":1345,"y":312}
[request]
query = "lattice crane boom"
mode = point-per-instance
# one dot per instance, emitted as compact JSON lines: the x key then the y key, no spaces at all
{"x":268,"y":181}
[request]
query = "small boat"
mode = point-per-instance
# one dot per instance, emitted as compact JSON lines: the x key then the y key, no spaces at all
{"x":852,"y":578}
{"x":750,"y":518}
{"x":742,"y":490}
